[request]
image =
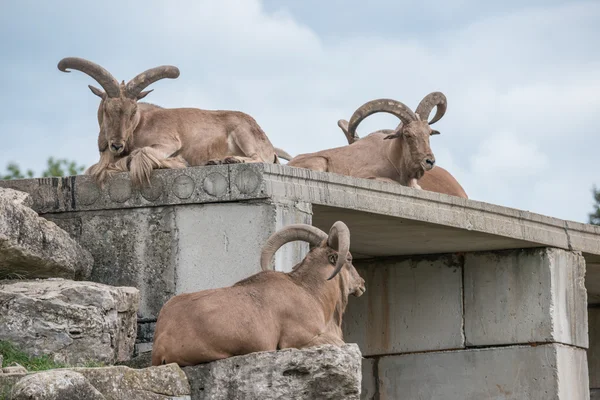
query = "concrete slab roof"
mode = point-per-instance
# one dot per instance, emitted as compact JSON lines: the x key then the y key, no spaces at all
{"x":385,"y":219}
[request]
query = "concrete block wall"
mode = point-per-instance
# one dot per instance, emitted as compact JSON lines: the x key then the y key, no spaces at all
{"x":501,"y":325}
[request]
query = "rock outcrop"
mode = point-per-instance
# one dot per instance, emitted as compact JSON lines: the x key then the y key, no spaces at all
{"x":74,"y":321}
{"x":33,"y":247}
{"x":166,"y":382}
{"x":59,"y":384}
{"x":325,"y":372}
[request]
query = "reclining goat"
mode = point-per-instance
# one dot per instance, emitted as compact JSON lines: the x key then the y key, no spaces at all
{"x":139,"y":138}
{"x":268,"y":311}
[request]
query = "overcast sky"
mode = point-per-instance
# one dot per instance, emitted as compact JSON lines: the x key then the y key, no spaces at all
{"x":522,"y":79}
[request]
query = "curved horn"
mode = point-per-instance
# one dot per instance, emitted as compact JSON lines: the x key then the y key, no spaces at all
{"x":135,"y":86}
{"x":393,"y":107}
{"x":290,"y":233}
{"x":432,"y":100}
{"x":102,"y":76}
{"x":339,"y":240}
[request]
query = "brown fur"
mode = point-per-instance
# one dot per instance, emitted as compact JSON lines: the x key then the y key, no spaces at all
{"x":265,"y":312}
{"x":435,"y":180}
{"x":150,"y":137}
{"x":400,"y":159}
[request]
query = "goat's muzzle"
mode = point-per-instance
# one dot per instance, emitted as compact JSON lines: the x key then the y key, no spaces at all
{"x":428,"y":163}
{"x":116,"y":148}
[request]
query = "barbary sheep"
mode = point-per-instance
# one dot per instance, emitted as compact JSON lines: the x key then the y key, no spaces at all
{"x":435,"y":180}
{"x":404,"y":159}
{"x":138,"y":138}
{"x":268,"y":311}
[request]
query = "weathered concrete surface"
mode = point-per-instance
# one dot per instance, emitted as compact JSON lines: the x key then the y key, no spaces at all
{"x":165,"y":382}
{"x":73,"y":321}
{"x":325,"y":372}
{"x":593,"y":354}
{"x":545,"y":372}
{"x":502,"y":227}
{"x":385,"y":219}
{"x":525,"y":296}
{"x":410,"y":305}
{"x":33,"y":247}
{"x":368,"y":386}
{"x":164,"y":251}
{"x":55,"y":385}
{"x":220,"y":244}
{"x":133,"y":248}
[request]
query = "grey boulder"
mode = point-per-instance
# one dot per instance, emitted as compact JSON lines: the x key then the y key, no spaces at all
{"x":73,"y":321}
{"x":33,"y":247}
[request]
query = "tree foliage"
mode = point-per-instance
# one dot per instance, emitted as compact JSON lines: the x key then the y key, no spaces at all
{"x":55,"y":167}
{"x":595,"y":216}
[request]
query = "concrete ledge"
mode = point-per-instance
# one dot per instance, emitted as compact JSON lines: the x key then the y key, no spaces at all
{"x":459,"y":220}
{"x":410,"y":305}
{"x":543,"y":372}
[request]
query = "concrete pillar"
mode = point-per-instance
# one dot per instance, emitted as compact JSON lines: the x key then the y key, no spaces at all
{"x":593,"y":354}
{"x":505,"y":324}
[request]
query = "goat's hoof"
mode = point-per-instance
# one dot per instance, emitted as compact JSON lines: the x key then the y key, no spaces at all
{"x":232,"y":160}
{"x":214,"y":162}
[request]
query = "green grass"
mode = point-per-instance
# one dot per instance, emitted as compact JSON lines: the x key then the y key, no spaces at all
{"x":12,"y":355}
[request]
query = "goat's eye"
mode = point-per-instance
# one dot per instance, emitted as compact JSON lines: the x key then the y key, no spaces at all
{"x":333,"y":259}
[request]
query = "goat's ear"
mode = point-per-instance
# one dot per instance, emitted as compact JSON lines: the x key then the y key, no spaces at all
{"x":434,"y":132}
{"x":97,"y":91}
{"x":144,"y":94}
{"x":332,"y":258}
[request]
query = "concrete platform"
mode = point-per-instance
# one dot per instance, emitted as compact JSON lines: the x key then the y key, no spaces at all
{"x":385,"y":219}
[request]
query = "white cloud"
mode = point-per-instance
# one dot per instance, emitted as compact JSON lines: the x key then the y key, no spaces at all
{"x":522,"y":87}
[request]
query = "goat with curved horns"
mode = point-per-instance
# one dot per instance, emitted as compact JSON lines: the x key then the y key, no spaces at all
{"x":435,"y":180}
{"x":403,"y":160}
{"x":268,"y":311}
{"x":140,"y":138}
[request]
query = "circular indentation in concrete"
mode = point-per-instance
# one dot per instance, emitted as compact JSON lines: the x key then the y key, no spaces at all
{"x":183,"y":186}
{"x":154,"y":190}
{"x":215,"y":184}
{"x":86,"y":193}
{"x":119,"y":190}
{"x":45,"y":198}
{"x":247,"y":181}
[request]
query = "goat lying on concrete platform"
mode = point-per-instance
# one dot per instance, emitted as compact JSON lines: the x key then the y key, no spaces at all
{"x":139,"y":138}
{"x":268,"y":311}
{"x":403,"y":160}
{"x":435,"y":180}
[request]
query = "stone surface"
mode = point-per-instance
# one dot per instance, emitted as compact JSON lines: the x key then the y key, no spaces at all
{"x":143,"y":360}
{"x":410,"y":305}
{"x":33,"y":247}
{"x":545,"y":372}
{"x":135,"y":247}
{"x":385,"y":219}
{"x":525,"y":296}
{"x":368,"y":386}
{"x":325,"y":372}
{"x":593,"y":355}
{"x":164,"y":382}
{"x":73,"y":321}
{"x":14,"y":370}
{"x":595,"y":394}
{"x":16,"y":197}
{"x":55,"y":385}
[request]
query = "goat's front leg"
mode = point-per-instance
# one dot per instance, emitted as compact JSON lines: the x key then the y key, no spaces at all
{"x":413,"y":183}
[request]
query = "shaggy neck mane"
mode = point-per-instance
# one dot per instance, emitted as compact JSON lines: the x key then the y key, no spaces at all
{"x":399,"y":155}
{"x":333,"y":298}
